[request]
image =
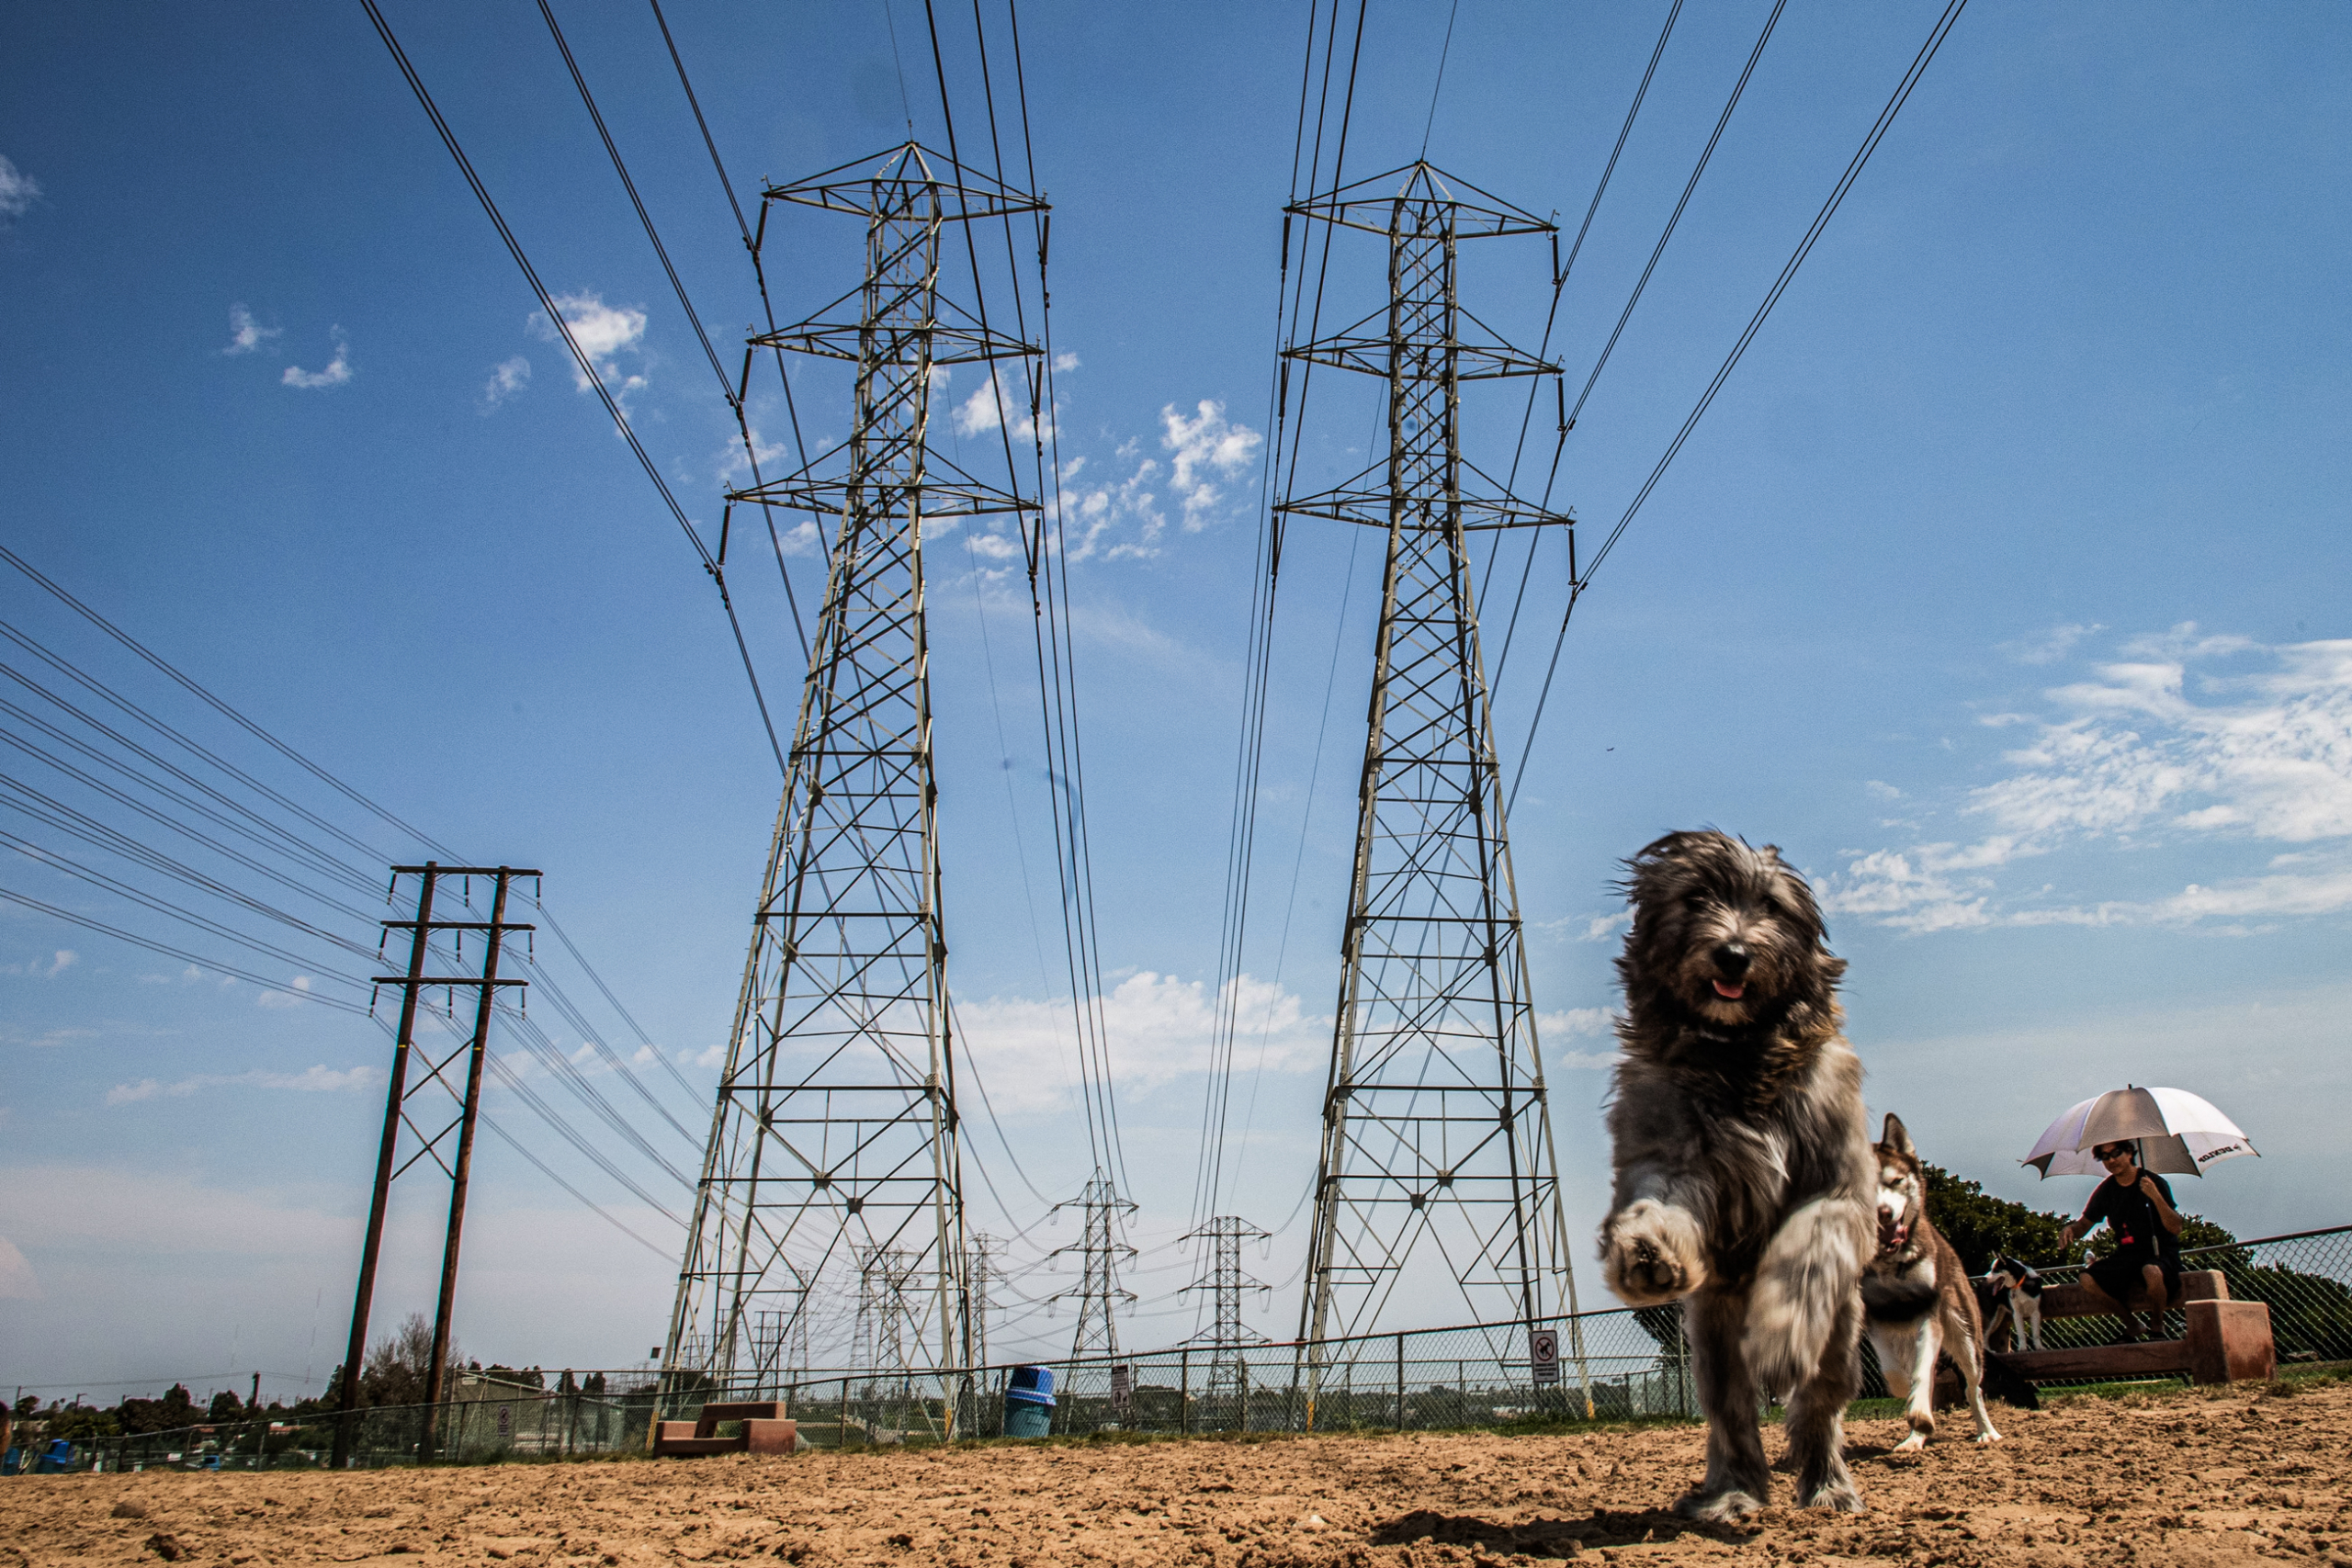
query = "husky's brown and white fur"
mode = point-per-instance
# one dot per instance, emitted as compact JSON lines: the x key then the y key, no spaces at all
{"x":1743,"y":1174}
{"x":1916,"y":1296}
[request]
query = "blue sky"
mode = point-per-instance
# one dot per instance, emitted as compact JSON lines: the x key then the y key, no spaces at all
{"x":2000,"y":587}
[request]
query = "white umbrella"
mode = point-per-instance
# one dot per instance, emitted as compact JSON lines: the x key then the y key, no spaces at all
{"x":2178,"y":1132}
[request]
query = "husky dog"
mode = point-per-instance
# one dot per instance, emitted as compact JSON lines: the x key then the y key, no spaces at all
{"x":1918,"y":1296}
{"x":2019,"y":1291}
{"x":1743,"y":1174}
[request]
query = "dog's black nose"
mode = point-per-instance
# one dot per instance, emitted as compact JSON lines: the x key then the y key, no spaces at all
{"x":1731,"y":958}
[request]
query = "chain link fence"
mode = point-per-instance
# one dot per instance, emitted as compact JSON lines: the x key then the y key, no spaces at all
{"x":487,"y":1426}
{"x":1618,"y":1365}
{"x":2305,"y":1279}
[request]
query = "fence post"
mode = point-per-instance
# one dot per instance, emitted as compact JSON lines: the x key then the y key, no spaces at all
{"x":1400,"y":1381}
{"x":841,"y":1439}
{"x":1184,"y":1393}
{"x":1243,"y":1362}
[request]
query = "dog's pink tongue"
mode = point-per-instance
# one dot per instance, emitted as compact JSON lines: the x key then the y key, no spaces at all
{"x":1730,"y":993}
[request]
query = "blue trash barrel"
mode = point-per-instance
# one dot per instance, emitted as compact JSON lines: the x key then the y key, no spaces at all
{"x":1029,"y":1402}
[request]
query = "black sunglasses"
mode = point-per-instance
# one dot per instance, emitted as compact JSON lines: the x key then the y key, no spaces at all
{"x":2110,"y":1153}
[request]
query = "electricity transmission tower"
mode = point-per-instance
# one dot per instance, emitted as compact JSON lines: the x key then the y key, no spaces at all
{"x":834,"y":1132}
{"x":438,"y":1104}
{"x":981,"y":1270}
{"x":1099,"y":1295}
{"x":884,"y":1274}
{"x":1225,"y":1280}
{"x":1437,"y":1150}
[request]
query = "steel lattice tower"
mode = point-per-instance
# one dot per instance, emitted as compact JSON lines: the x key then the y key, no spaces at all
{"x":981,"y":1271}
{"x":1098,"y":1294}
{"x":1224,"y":1282}
{"x":833,"y":1138}
{"x":1437,"y":1145}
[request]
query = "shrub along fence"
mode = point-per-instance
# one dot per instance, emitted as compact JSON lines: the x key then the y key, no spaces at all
{"x":1619,"y":1364}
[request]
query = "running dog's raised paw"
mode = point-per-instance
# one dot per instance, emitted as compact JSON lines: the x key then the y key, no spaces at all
{"x":1650,"y":1254}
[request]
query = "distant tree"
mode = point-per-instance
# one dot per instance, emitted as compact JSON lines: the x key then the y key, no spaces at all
{"x":176,"y":1409}
{"x":1982,"y":1227}
{"x":396,"y":1369}
{"x":1663,"y":1324}
{"x":227,"y":1406}
{"x":78,"y":1423}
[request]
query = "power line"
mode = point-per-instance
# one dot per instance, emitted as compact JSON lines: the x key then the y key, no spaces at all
{"x":168,"y":951}
{"x":1689,"y":186}
{"x":1878,"y":130}
{"x":246,"y":823}
{"x":587,"y":366}
{"x":171,"y":672}
{"x":767,"y":308}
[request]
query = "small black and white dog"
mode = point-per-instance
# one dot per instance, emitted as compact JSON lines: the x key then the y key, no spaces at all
{"x":2013,"y":1289}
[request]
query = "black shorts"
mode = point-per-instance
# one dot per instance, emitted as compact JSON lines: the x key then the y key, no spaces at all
{"x":2119,"y":1276}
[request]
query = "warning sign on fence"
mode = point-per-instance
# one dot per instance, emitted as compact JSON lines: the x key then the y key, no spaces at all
{"x":1123,"y":1390}
{"x":1543,"y":1354}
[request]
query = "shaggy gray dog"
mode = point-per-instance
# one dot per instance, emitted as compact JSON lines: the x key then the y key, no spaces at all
{"x":1745,"y":1182}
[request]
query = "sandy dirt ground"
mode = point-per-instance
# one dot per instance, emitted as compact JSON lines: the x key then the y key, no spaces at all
{"x":2193,"y":1479}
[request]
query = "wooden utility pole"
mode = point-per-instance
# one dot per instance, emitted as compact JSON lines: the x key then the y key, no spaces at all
{"x":455,"y":1157}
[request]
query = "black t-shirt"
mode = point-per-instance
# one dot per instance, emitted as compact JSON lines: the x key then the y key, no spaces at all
{"x":2133,"y":1217}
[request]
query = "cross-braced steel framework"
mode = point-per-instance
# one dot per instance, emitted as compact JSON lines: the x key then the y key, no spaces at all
{"x":438,"y":1103}
{"x":1437,"y":1149}
{"x":833,"y":1138}
{"x":1099,"y":1251}
{"x":1225,"y":1280}
{"x":981,"y":1271}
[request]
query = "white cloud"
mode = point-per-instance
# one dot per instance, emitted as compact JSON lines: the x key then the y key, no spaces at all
{"x":16,"y":1282}
{"x":246,"y":334}
{"x":1206,"y":442}
{"x":2151,"y":754}
{"x":603,"y":333}
{"x":1002,"y":400}
{"x":301,"y":983}
{"x":130,"y":1093}
{"x":2047,"y":648}
{"x":337,"y":371}
{"x":507,"y":378}
{"x":1115,"y":520}
{"x":1064,"y":363}
{"x":1160,"y":1029}
{"x":1881,"y":789}
{"x":1588,"y":927}
{"x":1575,"y":1023}
{"x":66,"y":958}
{"x":320,"y":1079}
{"x":18,"y":190}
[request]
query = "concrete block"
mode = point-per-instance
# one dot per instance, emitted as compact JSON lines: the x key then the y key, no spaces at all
{"x":770,"y":1437}
{"x":2230,"y":1341}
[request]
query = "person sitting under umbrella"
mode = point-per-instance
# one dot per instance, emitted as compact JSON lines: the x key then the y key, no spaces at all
{"x":2138,"y":1210}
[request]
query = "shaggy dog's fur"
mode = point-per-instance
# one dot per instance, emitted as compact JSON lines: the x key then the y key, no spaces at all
{"x":1745,"y":1185}
{"x":1916,"y":1297}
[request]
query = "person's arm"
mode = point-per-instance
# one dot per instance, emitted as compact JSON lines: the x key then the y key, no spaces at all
{"x":2166,"y":1215}
{"x":2093,"y":1211}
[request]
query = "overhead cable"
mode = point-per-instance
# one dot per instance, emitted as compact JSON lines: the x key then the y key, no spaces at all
{"x":580,"y":357}
{"x":1689,"y":186}
{"x":1878,"y":130}
{"x":172,"y":673}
